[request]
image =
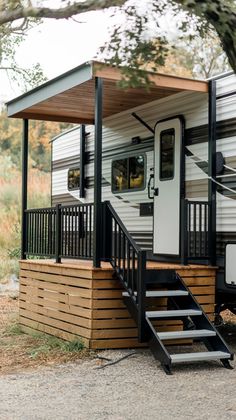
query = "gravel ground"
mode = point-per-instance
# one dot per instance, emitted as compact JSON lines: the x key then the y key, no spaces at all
{"x":133,"y":388}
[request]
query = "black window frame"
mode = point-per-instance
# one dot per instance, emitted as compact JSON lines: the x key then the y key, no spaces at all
{"x":73,"y":169}
{"x":129,"y":156}
{"x":162,"y":133}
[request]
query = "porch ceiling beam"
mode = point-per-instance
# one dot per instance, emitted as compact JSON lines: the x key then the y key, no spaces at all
{"x":159,"y":80}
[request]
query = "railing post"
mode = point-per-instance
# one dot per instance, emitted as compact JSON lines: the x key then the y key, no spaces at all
{"x":58,"y":239}
{"x":184,"y":232}
{"x":106,"y":231}
{"x":141,"y":294}
{"x":25,"y":139}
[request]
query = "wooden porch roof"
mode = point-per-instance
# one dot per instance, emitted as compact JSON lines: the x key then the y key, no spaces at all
{"x":71,"y":96}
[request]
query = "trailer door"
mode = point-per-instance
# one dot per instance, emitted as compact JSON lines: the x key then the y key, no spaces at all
{"x":167,"y":184}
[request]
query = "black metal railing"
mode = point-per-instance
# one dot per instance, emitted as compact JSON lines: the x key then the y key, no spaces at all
{"x":77,"y":233}
{"x":197,"y":229}
{"x":41,"y":227}
{"x":129,"y":262}
{"x":60,"y":232}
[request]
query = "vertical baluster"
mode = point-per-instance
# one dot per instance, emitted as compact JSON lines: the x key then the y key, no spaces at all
{"x":34,"y":232}
{"x":206,"y":230}
{"x":51,"y":231}
{"x":200,"y":230}
{"x":128,"y":264}
{"x":90,"y":230}
{"x":133,"y":282}
{"x":86,"y":231}
{"x":69,"y":232}
{"x":44,"y":232}
{"x":119,"y":247}
{"x":73,"y":231}
{"x":42,"y":227}
{"x":115,"y":242}
{"x":79,"y":229}
{"x":41,"y":230}
{"x":38,"y":232}
{"x":55,"y":212}
{"x":194,"y":229}
{"x":76,"y":232}
{"x":189,"y":209}
{"x":65,"y":233}
{"x":124,"y":256}
{"x":28,"y":230}
{"x":82,"y":230}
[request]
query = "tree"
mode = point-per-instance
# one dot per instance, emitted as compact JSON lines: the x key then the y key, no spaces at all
{"x":139,"y":48}
{"x":40,"y":134}
{"x":200,"y":58}
{"x":11,"y":36}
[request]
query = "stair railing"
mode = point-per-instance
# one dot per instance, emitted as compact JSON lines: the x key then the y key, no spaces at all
{"x":128,"y":260}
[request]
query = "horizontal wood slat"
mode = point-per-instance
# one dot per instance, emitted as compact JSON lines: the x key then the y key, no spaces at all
{"x":72,"y":300}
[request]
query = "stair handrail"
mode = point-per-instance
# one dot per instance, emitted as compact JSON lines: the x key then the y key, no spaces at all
{"x":129,"y":263}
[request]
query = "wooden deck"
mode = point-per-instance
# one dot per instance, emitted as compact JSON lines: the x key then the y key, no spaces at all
{"x":73,"y":299}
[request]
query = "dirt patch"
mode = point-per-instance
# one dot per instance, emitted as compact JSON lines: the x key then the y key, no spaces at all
{"x":20,"y":351}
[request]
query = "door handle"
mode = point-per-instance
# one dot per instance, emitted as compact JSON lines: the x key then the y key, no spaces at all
{"x":156,"y":192}
{"x":150,"y":188}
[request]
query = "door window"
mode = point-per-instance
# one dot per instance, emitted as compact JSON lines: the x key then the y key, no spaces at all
{"x":167,"y":154}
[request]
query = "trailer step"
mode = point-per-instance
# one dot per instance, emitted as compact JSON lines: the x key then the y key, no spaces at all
{"x":201,"y":356}
{"x":173,"y":314}
{"x":171,"y":335}
{"x":160,"y":293}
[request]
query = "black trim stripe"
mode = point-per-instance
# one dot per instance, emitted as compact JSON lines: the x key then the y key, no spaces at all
{"x":224,"y":129}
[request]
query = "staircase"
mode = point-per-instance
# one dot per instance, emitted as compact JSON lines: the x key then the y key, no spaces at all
{"x":181,"y":305}
{"x":145,"y":288}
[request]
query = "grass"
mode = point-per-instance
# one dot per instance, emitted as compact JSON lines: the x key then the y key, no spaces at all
{"x":20,"y":351}
{"x":10,"y":205}
{"x":48,"y":344}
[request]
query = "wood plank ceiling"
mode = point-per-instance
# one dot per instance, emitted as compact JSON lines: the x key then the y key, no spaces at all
{"x":76,"y":104}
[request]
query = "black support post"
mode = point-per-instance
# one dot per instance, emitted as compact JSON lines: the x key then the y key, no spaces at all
{"x":97,"y":227}
{"x":25,"y":141}
{"x":82,"y":160}
{"x":58,"y":236}
{"x":212,"y":171}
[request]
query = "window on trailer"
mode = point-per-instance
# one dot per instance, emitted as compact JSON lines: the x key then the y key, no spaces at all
{"x":73,"y":179}
{"x":128,"y":174}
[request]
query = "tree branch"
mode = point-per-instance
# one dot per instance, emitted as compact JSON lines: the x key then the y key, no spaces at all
{"x":222,"y":16}
{"x":66,"y":12}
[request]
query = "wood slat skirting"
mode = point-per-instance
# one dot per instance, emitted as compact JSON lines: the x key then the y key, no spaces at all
{"x":72,"y":301}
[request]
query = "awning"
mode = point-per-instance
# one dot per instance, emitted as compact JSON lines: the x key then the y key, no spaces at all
{"x":71,"y":96}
